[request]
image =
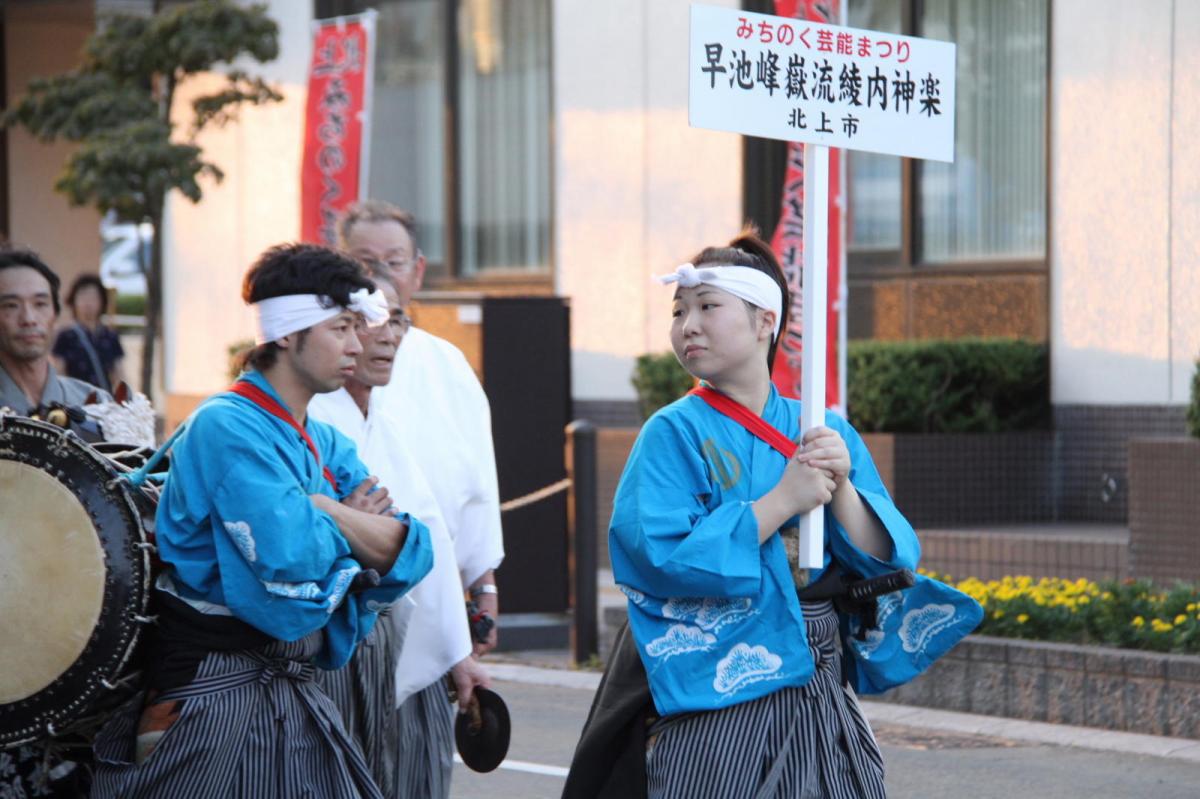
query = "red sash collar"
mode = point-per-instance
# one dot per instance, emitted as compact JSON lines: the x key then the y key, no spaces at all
{"x":264,"y":400}
{"x":747,"y":419}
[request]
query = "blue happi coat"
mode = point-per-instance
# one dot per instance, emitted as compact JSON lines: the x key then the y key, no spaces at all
{"x":238,"y":534}
{"x":714,"y":614}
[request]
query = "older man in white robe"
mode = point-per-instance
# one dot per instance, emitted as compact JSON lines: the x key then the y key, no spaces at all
{"x":410,"y":754}
{"x":440,"y":406}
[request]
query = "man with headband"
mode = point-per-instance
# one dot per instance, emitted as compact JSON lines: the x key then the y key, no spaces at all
{"x":278,"y":551}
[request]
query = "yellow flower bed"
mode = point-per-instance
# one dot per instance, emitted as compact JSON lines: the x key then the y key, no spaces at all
{"x":1131,"y":613}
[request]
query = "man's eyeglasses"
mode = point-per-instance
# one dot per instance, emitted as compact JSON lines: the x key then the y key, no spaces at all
{"x":392,"y":264}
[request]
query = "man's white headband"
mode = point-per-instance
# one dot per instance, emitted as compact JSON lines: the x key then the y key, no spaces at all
{"x":276,"y":317}
{"x":755,"y":287}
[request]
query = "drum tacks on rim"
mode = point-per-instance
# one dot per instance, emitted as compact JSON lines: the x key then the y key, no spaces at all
{"x":75,"y":571}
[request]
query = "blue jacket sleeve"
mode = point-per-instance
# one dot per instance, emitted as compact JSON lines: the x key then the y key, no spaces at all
{"x":284,"y":566}
{"x":906,"y":549}
{"x":357,"y":612}
{"x":664,"y":538}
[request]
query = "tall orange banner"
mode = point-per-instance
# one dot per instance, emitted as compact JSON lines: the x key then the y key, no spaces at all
{"x":788,"y":242}
{"x":336,"y":126}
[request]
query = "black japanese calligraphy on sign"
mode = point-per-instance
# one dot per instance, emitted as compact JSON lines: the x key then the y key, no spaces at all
{"x":903,"y":91}
{"x":823,"y":81}
{"x":850,"y":84}
{"x":712,"y":54}
{"x":768,"y":71}
{"x":877,"y":87}
{"x":930,"y":100}
{"x":795,"y":78}
{"x":863,"y":74}
{"x":740,"y":66}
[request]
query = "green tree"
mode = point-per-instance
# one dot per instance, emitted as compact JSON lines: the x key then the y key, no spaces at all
{"x":117,"y":105}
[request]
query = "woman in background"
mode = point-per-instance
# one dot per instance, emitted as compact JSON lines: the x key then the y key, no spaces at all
{"x":89,"y":350}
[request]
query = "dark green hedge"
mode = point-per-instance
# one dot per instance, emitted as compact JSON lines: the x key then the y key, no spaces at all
{"x":1193,"y":411}
{"x":659,"y":380}
{"x":960,"y":386}
{"x":130,"y":305}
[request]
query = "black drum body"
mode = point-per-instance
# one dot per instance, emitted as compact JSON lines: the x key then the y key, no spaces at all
{"x":75,"y":572}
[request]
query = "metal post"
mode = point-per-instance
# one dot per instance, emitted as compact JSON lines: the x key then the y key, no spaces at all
{"x":581,"y":515}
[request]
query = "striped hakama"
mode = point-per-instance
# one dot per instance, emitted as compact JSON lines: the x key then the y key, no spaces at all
{"x":364,"y":691}
{"x":410,"y":751}
{"x":808,"y":742}
{"x":426,"y":722}
{"x":254,"y":725}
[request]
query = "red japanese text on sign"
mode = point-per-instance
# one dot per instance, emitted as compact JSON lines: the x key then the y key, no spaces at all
{"x":334,"y":131}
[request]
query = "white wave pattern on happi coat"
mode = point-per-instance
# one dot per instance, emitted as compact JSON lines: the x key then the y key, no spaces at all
{"x":709,"y":613}
{"x":920,"y":626}
{"x":745,"y":665}
{"x":635,"y":596}
{"x":681,"y":639}
{"x":886,"y":607}
{"x":304,"y":590}
{"x":243,"y":539}
{"x":341,"y":584}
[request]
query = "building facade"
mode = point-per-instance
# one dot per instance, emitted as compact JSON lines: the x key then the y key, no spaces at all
{"x":545,"y":149}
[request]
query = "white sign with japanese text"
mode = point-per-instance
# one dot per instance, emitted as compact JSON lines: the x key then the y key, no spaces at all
{"x":796,"y":80}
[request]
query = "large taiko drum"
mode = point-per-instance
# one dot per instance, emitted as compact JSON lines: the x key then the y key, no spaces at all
{"x":75,"y":571}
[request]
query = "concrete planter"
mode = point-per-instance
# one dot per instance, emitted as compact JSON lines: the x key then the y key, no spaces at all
{"x":1164,"y":505}
{"x":949,"y":479}
{"x":1113,"y":689}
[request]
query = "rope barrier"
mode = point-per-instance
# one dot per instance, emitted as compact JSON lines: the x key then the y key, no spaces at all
{"x":536,"y":496}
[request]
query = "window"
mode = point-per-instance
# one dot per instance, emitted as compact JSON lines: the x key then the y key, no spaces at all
{"x":460,"y":131}
{"x":989,"y":206}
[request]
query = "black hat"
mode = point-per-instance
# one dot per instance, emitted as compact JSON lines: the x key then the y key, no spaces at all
{"x":482,"y":733}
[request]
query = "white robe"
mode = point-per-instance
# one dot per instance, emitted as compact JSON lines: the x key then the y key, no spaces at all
{"x":446,"y":423}
{"x":432,"y":630}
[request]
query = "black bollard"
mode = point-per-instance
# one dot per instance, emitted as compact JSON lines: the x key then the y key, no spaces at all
{"x":581,"y":515}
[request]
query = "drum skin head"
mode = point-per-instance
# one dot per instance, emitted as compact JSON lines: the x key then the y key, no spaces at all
{"x":51,"y":580}
{"x":74,"y":580}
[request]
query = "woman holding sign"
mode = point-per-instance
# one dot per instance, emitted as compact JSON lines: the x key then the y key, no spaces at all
{"x":740,"y":648}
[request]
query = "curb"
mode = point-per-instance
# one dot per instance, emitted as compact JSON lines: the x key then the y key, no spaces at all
{"x":906,"y":715}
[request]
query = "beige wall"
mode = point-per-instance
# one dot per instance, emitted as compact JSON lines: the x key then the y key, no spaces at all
{"x":1185,"y":200}
{"x":209,"y":245}
{"x":1125,"y":193}
{"x":40,"y":40}
{"x":636,"y":191}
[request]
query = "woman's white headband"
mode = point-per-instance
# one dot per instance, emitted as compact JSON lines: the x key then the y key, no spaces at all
{"x":276,"y":317}
{"x":755,"y":287}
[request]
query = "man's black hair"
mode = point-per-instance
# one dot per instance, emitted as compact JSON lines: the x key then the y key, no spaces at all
{"x":299,"y":269}
{"x":19,"y":256}
{"x":84,"y":281}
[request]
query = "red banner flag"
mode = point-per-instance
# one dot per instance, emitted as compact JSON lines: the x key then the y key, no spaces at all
{"x":332,"y":174}
{"x":788,"y":242}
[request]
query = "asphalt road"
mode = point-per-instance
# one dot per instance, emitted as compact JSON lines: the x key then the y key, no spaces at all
{"x":921,"y":764}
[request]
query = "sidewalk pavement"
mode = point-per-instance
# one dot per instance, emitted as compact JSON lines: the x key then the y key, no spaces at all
{"x":553,"y":670}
